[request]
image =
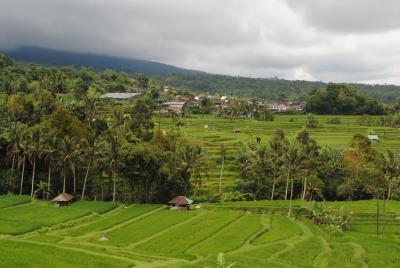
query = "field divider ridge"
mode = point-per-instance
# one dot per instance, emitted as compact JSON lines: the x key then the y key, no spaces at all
{"x":133,"y":245}
{"x":186,"y":251}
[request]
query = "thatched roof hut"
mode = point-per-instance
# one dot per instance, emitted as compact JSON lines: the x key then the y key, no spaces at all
{"x":63,"y":199}
{"x":180,"y":202}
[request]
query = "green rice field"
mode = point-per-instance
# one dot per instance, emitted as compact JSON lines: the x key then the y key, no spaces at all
{"x":35,"y":233}
{"x":211,"y":132}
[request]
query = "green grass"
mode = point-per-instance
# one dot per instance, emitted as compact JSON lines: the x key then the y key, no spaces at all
{"x":280,"y":228}
{"x":109,"y":220}
{"x":304,"y":253}
{"x":231,"y":237}
{"x":22,"y":219}
{"x":13,"y":200}
{"x":187,"y":235}
{"x":146,"y":227}
{"x":27,"y":254}
{"x":249,"y":234}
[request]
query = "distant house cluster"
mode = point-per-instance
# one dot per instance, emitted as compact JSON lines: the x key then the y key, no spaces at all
{"x":287,"y":106}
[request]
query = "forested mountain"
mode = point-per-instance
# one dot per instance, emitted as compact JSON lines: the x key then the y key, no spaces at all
{"x":47,"y":56}
{"x":272,"y":89}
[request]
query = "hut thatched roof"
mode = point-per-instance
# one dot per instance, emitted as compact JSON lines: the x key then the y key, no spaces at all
{"x":63,"y":197}
{"x":181,"y":200}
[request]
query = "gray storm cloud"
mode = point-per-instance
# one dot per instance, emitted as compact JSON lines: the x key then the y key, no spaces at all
{"x":353,"y":41}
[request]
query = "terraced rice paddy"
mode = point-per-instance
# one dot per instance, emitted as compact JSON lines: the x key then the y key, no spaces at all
{"x":246,"y":234}
{"x":211,"y":133}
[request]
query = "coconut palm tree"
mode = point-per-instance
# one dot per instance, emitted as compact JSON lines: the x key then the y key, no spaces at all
{"x":34,"y":150}
{"x":48,"y":153}
{"x":68,"y":152}
{"x":112,"y":152}
{"x":194,"y":163}
{"x":23,"y":146}
{"x":13,"y":149}
{"x":91,"y":151}
{"x":310,"y":150}
{"x":278,"y":145}
{"x":293,"y":163}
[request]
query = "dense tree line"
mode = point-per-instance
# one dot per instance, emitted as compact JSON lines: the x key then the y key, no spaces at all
{"x":269,"y":89}
{"x":92,"y":147}
{"x":303,"y":170}
{"x":342,"y":99}
{"x":112,"y":153}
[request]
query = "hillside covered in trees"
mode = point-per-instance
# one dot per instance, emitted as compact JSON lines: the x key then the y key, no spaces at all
{"x":271,"y":89}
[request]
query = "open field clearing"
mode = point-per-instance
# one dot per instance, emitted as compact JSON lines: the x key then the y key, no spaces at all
{"x":249,"y":234}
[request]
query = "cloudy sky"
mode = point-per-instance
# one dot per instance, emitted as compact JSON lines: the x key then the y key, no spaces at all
{"x":329,"y":40}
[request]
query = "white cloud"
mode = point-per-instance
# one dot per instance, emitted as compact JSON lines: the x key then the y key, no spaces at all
{"x":354,"y":40}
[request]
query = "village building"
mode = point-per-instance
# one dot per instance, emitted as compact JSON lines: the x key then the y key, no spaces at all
{"x":121,"y":96}
{"x":287,"y":106}
{"x":174,"y":107}
{"x":63,"y":199}
{"x":273,"y":107}
{"x":180,"y":203}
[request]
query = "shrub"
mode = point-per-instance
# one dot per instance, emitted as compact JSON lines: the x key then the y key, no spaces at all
{"x":365,"y":120}
{"x":335,"y":221}
{"x":311,"y":121}
{"x":334,"y":120}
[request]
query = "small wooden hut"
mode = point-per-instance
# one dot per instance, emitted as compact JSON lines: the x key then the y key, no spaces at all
{"x":180,"y":203}
{"x":63,"y":199}
{"x":373,"y":138}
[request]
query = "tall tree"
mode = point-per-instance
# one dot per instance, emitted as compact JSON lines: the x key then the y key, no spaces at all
{"x":49,"y":151}
{"x":194,"y":163}
{"x":112,"y":152}
{"x":34,"y":150}
{"x":90,"y":152}
{"x":391,"y":168}
{"x":278,"y":145}
{"x":293,"y":163}
{"x":68,"y":151}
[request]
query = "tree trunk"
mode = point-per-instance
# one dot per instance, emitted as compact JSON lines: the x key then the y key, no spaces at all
{"x":114,"y":190}
{"x":273,"y":189}
{"x":84,"y":182}
{"x":22,"y":176}
{"x":389,"y":190}
{"x":74,"y":176}
{"x":13,"y":163}
{"x":65,"y":179}
{"x":48,"y":182}
{"x":220,"y":177}
{"x":287,"y":186}
{"x":304,"y":189}
{"x":33,"y":175}
{"x":273,"y":183}
{"x":291,"y":198}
